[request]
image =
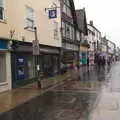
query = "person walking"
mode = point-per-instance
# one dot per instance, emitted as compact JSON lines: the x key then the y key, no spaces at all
{"x":77,"y":72}
{"x":103,"y":62}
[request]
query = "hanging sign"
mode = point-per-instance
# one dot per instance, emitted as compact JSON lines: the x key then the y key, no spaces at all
{"x":52,"y":14}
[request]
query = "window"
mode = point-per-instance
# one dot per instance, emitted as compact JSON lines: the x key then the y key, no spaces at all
{"x":31,"y":68}
{"x":63,"y":29}
{"x":2,"y":68}
{"x":67,"y":31}
{"x":56,"y":30}
{"x":67,"y":2}
{"x":73,"y":34}
{"x":68,"y":12}
{"x":2,"y":8}
{"x":30,"y":18}
{"x":78,"y":35}
{"x":64,"y":8}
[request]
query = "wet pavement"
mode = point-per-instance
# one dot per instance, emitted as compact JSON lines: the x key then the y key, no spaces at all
{"x":108,"y":106}
{"x":94,"y":95}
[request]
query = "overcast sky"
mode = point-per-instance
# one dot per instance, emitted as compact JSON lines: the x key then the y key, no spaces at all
{"x":105,"y":15}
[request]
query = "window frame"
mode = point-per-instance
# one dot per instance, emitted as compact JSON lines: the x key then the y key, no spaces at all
{"x":2,"y":19}
{"x":29,"y":18}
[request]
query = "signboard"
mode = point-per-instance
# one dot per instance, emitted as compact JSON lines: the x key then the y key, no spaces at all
{"x":36,"y":49}
{"x":3,"y":44}
{"x":52,"y":14}
{"x":20,"y":67}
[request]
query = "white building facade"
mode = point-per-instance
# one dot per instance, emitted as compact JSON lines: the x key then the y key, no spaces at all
{"x":94,"y":39}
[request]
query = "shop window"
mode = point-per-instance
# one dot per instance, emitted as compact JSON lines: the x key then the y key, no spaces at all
{"x":2,"y":68}
{"x":31,"y":68}
{"x":55,"y":65}
{"x":48,"y":67}
{"x":20,"y":68}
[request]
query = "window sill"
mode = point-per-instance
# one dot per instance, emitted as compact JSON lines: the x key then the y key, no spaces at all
{"x":3,"y":83}
{"x":3,"y":21}
{"x":29,"y":29}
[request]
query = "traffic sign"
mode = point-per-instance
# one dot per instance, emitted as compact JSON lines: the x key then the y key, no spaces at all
{"x":36,"y":49}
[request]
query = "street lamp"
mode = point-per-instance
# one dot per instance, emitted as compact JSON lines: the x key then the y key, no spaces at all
{"x":36,"y":52}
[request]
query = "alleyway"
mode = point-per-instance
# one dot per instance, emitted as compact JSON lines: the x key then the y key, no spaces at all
{"x":94,"y":95}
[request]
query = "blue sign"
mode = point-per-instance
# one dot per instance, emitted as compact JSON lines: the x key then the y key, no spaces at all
{"x":20,"y":60}
{"x":52,"y":14}
{"x":3,"y":44}
{"x":20,"y":68}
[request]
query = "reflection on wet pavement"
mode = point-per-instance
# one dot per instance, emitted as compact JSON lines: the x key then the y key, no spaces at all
{"x":109,"y":102}
{"x":94,"y":95}
{"x":54,"y":106}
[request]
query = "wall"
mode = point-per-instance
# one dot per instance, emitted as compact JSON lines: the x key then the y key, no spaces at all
{"x":16,"y":20}
{"x":93,"y":36}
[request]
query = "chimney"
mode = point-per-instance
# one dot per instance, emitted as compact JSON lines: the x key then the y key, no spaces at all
{"x":91,"y":22}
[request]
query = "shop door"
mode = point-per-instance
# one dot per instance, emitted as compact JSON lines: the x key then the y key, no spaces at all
{"x":2,"y":68}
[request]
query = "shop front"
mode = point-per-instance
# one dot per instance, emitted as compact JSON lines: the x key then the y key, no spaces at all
{"x":23,"y":63}
{"x":83,"y":55}
{"x":5,"y":71}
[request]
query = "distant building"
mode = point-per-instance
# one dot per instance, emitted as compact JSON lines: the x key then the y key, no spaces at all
{"x":111,"y":48}
{"x":104,"y":44}
{"x":57,"y":34}
{"x":70,"y":37}
{"x":94,"y":39}
{"x":84,"y":45}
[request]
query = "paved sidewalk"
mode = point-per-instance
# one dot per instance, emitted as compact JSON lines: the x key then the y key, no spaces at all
{"x":16,"y":97}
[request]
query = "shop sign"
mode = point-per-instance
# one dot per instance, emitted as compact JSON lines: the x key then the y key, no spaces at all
{"x":52,"y":14}
{"x":3,"y":44}
{"x":20,"y":68}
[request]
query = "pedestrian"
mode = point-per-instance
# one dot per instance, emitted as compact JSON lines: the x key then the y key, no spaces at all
{"x":103,"y":62}
{"x":61,"y":68}
{"x":77,"y":74}
{"x":88,"y":61}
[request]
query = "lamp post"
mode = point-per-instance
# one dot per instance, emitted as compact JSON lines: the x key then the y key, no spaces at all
{"x":36,"y":52}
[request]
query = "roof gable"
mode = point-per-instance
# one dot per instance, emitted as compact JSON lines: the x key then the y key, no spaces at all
{"x":81,"y":20}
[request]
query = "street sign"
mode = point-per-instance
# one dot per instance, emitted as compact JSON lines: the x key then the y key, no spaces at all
{"x":52,"y":14}
{"x":36,"y":49}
